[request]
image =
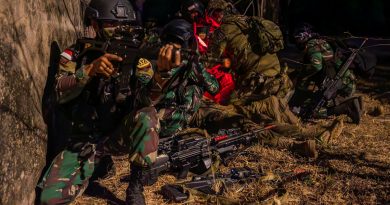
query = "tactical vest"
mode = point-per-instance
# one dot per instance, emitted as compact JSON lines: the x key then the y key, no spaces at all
{"x":100,"y":107}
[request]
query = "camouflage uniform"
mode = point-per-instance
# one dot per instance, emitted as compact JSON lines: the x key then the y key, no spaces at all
{"x":262,"y":86}
{"x":180,"y":99}
{"x":214,"y":117}
{"x":318,"y":54}
{"x":100,"y":125}
{"x":322,"y":62}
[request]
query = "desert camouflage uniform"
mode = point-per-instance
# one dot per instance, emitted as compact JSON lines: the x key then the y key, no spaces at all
{"x":260,"y":80}
{"x":100,"y":125}
{"x":263,"y":90}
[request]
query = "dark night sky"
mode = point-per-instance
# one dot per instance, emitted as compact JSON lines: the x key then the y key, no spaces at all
{"x":360,"y":17}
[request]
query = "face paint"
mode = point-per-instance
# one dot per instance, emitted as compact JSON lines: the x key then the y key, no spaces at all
{"x":109,"y":32}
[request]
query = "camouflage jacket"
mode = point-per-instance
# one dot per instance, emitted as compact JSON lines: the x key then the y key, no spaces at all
{"x":318,"y":53}
{"x":180,"y":97}
{"x":322,"y":61}
{"x":91,"y":103}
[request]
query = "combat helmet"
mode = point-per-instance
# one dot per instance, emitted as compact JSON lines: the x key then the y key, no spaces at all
{"x":190,"y":6}
{"x":223,"y":5}
{"x":110,"y":10}
{"x":304,"y":33}
{"x":178,"y":31}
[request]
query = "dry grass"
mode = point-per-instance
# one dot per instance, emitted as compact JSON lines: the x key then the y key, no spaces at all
{"x":354,"y":170}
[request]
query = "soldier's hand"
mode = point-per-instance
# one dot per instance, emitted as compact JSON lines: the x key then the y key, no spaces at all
{"x":103,"y":65}
{"x":168,"y":58}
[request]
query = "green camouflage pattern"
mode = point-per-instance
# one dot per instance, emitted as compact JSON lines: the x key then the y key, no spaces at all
{"x":181,"y":98}
{"x":137,"y":136}
{"x":70,"y":171}
{"x":66,"y":178}
{"x":317,"y":52}
{"x":134,"y":133}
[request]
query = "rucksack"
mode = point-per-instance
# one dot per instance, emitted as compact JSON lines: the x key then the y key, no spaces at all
{"x":259,"y":35}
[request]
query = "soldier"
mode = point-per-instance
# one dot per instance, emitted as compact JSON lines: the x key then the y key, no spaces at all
{"x":179,"y":85}
{"x":87,"y":88}
{"x":262,"y":87}
{"x":322,"y":61}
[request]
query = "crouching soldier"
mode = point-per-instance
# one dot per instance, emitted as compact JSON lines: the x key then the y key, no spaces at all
{"x":168,"y":96}
{"x":322,"y":61}
{"x":96,"y":96}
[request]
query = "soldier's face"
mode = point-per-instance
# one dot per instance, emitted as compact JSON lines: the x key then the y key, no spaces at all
{"x":218,"y":15}
{"x":105,"y":25}
{"x":195,"y":16}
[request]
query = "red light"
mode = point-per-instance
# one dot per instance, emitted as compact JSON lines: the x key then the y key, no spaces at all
{"x":220,"y":138}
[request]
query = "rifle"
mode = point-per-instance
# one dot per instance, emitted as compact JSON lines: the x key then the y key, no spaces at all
{"x":125,"y":43}
{"x":330,"y":86}
{"x":240,"y":175}
{"x":176,"y":193}
{"x":196,"y":153}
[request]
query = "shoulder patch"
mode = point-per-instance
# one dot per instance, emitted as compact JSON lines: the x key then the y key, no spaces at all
{"x":144,"y":70}
{"x":66,"y":61}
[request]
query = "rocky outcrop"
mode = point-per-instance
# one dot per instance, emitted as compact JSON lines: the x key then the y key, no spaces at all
{"x":28,"y":29}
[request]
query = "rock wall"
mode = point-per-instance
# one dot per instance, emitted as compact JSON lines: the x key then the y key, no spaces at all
{"x":28,"y":29}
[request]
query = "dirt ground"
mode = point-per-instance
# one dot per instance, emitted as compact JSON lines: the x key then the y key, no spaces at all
{"x":354,"y":169}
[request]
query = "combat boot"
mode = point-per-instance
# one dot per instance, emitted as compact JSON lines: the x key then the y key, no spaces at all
{"x":332,"y":132}
{"x":105,"y":169}
{"x":304,"y":148}
{"x":352,"y":107}
{"x":134,"y":192}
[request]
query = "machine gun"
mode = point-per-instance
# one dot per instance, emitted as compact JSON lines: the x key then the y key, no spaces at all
{"x":330,"y":86}
{"x":182,"y":154}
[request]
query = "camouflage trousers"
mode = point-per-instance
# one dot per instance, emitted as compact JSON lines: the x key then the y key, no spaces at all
{"x":257,"y":87}
{"x":263,"y":99}
{"x":70,"y":171}
{"x":271,"y":109}
{"x":213,"y":117}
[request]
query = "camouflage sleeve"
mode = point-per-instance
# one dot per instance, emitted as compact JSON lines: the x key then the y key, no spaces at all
{"x":314,"y":56}
{"x":204,"y":78}
{"x":174,"y":119}
{"x":315,"y":61}
{"x":68,"y":86}
{"x":144,"y":71}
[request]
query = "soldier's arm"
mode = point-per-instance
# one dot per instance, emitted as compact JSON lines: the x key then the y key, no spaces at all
{"x":69,"y":81}
{"x":178,"y":117}
{"x":315,"y":66}
{"x":209,"y":82}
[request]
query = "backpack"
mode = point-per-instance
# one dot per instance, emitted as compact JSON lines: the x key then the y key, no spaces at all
{"x":251,"y":42}
{"x":257,"y":34}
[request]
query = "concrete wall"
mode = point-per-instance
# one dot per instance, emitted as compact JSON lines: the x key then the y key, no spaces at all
{"x":28,"y":27}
